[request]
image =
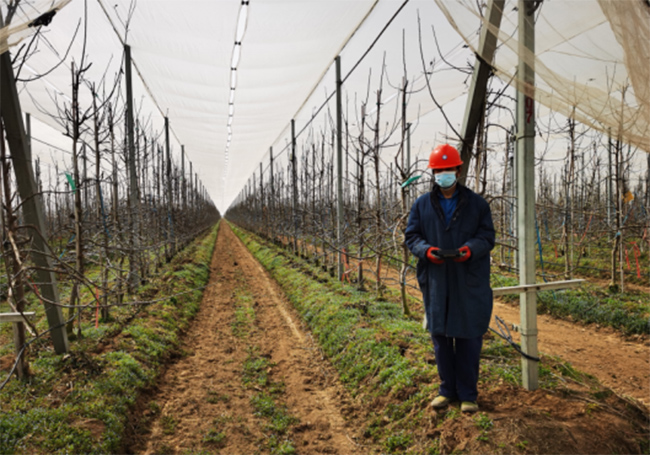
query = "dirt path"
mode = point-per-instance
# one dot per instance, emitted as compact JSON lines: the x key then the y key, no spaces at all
{"x":619,"y":363}
{"x":602,"y":352}
{"x":203,"y":402}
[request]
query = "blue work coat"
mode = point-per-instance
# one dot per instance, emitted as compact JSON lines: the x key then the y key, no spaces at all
{"x":457,"y":295}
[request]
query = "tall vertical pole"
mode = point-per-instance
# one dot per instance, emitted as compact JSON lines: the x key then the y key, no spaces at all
{"x":168,"y":178}
{"x":272,"y":198}
{"x":339,"y":168}
{"x":262,"y":201}
{"x":526,"y":190}
{"x":619,"y":210}
{"x":28,"y":132}
{"x":134,"y":196}
{"x":191,"y":189}
{"x":28,"y":149}
{"x":294,"y":186}
{"x":183,"y":185}
{"x":609,"y":183}
{"x":475,"y":107}
{"x":512,"y":218}
{"x":33,"y":209}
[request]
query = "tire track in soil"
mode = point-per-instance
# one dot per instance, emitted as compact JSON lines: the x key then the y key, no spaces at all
{"x":206,"y":385}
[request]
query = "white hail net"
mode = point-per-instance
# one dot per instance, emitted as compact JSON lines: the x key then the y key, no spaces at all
{"x":591,"y":60}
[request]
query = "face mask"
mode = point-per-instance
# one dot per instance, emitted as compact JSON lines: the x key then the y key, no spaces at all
{"x":445,"y":179}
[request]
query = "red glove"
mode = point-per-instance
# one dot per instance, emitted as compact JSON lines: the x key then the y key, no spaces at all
{"x":465,"y":252}
{"x":432,"y":257}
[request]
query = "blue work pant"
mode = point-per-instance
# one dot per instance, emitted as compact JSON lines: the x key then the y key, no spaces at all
{"x":458,"y":365}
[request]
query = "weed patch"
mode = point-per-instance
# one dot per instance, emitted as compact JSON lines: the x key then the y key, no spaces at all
{"x":168,"y":424}
{"x":267,"y":402}
{"x":244,"y":315}
{"x":484,"y":424}
{"x":215,"y":438}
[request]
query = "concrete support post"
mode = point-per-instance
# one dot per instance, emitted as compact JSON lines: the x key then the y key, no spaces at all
{"x":262,"y":201}
{"x":170,"y":198}
{"x":610,"y":190}
{"x":339,"y":169}
{"x":191,"y":189}
{"x":478,"y":89}
{"x":32,"y":202}
{"x":183,"y":185}
{"x":526,"y":190}
{"x":134,"y":193}
{"x":294,"y":186}
{"x":28,"y":132}
{"x":272,"y":198}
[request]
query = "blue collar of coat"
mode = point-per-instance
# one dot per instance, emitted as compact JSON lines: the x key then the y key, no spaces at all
{"x":463,"y":194}
{"x":442,"y":197}
{"x":436,"y":191}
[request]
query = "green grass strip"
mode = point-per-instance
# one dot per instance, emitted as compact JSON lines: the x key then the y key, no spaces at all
{"x":383,"y":357}
{"x":377,"y":351}
{"x":266,"y":401}
{"x":627,"y":312}
{"x":79,"y":403}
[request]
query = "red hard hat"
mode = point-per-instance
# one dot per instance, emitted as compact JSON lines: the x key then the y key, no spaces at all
{"x":444,"y":156}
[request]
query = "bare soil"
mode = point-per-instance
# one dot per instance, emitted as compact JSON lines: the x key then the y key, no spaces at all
{"x":204,"y":389}
{"x":617,"y":361}
{"x":566,"y":419}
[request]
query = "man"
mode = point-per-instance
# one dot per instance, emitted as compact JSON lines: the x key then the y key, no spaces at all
{"x":450,"y":230}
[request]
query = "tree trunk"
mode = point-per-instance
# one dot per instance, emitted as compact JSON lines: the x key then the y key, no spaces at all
{"x":405,"y":209}
{"x":78,"y":208}
{"x":378,"y":233}
{"x":16,"y":290}
{"x":569,"y":204}
{"x":361,"y":196}
{"x":101,"y":218}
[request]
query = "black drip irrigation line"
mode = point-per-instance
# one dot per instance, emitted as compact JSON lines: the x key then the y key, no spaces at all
{"x":504,"y":333}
